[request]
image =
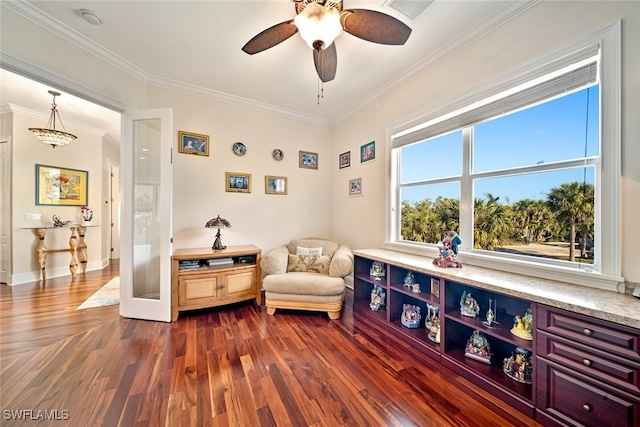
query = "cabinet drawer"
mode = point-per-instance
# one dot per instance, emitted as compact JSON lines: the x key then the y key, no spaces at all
{"x":197,"y":290}
{"x":576,"y":400}
{"x":599,"y":334}
{"x":615,"y":370}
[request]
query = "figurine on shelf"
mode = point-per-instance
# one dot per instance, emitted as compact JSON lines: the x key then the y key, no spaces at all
{"x":377,"y":270}
{"x":523,"y":325}
{"x":478,"y":348}
{"x":432,"y":322}
{"x":448,"y":251}
{"x":491,"y":316}
{"x":409,"y":280}
{"x":518,"y":367}
{"x":468,"y":306}
{"x":415,"y":288}
{"x":410,"y":316}
{"x":377,"y":298}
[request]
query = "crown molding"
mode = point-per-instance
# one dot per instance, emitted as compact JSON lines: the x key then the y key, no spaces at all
{"x":29,"y":11}
{"x":472,"y":35}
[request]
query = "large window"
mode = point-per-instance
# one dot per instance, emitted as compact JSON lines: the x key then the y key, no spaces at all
{"x":521,"y":174}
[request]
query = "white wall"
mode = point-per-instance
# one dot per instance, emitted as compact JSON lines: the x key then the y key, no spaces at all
{"x":256,"y":218}
{"x":545,"y":27}
{"x":85,"y":153}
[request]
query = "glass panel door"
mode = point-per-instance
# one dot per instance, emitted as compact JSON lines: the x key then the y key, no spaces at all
{"x":145,"y":264}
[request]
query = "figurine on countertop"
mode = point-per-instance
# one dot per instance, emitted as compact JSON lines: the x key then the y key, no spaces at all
{"x":448,"y":251}
{"x":57,"y":222}
{"x":468,"y":306}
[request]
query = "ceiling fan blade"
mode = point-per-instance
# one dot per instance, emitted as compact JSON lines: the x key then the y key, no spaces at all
{"x":326,"y":61}
{"x":373,"y":26}
{"x":270,"y":37}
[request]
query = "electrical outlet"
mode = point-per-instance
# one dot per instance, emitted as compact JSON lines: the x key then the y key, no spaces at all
{"x":32,"y":217}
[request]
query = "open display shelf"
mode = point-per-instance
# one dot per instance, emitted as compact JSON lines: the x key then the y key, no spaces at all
{"x":397,"y":295}
{"x":455,"y":329}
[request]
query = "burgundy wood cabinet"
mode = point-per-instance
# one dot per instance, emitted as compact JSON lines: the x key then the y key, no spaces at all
{"x":587,"y":370}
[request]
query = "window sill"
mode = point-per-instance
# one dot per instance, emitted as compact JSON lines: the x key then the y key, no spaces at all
{"x":573,"y":276}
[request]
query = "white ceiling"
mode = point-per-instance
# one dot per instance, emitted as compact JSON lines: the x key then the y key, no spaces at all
{"x":196,"y":45}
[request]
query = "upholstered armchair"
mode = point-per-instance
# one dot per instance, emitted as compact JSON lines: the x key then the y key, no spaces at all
{"x":306,"y":274}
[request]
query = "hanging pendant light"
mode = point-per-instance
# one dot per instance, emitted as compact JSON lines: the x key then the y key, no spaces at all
{"x":50,"y":135}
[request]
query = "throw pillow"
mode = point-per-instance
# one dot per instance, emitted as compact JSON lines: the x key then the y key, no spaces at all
{"x":311,"y":264}
{"x":308,"y":251}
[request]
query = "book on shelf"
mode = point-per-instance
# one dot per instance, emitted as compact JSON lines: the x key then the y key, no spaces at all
{"x":220,"y":261}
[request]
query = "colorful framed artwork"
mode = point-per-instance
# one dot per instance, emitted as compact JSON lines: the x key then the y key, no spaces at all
{"x":345,"y":160}
{"x":238,"y":182}
{"x":61,"y":187}
{"x":275,"y":185}
{"x":355,"y":187}
{"x":435,"y":287}
{"x":368,"y":152}
{"x":308,"y":160}
{"x":193,"y":143}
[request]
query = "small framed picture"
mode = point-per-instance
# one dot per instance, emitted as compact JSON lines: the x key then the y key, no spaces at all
{"x":238,"y":182}
{"x":355,"y":187}
{"x":345,"y":160}
{"x":308,"y":160}
{"x":368,"y":152}
{"x":193,"y":143}
{"x":435,"y":287}
{"x":275,"y":185}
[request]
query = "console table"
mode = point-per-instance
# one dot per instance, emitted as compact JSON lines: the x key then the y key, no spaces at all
{"x":77,"y":247}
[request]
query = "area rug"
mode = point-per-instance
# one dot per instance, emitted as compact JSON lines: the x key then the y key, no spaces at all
{"x":109,"y":294}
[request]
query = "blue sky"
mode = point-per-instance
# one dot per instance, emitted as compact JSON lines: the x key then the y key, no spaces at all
{"x":545,"y":133}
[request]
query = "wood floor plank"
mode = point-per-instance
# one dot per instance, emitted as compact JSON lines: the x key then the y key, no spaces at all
{"x":227,"y":366}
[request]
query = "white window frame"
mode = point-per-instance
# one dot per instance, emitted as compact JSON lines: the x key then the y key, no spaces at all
{"x":608,"y":166}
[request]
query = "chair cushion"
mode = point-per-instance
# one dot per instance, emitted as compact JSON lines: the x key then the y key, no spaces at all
{"x":306,"y":283}
{"x":312,"y":264}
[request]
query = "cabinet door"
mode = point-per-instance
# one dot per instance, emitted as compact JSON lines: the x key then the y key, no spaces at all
{"x":198,"y":290}
{"x":239,"y":285}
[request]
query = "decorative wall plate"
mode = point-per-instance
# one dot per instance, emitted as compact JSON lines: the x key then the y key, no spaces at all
{"x":278,"y":154}
{"x":239,"y":148}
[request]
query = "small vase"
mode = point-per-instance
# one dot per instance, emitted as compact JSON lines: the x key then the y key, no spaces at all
{"x":86,"y":222}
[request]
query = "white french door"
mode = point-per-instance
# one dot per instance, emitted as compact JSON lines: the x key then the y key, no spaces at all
{"x":146,"y":223}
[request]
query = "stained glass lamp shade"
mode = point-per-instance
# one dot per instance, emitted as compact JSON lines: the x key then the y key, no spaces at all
{"x":218,"y":223}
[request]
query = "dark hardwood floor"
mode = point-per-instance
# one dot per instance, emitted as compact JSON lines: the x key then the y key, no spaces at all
{"x":230,"y":366}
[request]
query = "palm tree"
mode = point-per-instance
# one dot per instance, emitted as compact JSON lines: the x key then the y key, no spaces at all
{"x":572,"y":204}
{"x":491,"y":222}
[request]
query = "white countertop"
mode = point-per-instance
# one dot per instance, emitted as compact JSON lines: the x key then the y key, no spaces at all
{"x":606,"y":305}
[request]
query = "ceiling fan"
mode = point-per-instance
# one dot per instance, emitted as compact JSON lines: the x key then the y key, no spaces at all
{"x":320,"y":22}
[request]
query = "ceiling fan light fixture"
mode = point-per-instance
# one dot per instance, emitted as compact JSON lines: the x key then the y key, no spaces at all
{"x":318,"y":25}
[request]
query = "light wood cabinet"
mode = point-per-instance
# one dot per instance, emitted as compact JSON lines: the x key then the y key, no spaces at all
{"x":203,"y":278}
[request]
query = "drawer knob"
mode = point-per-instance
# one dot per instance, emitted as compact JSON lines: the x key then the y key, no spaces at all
{"x":587,"y":332}
{"x":586,"y":362}
{"x":586,"y":407}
